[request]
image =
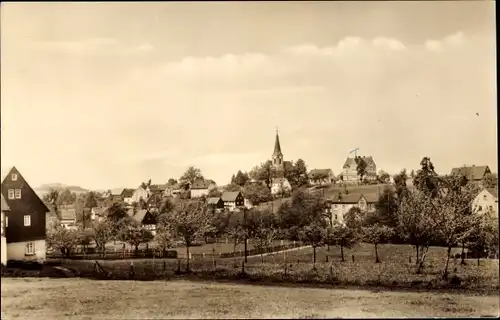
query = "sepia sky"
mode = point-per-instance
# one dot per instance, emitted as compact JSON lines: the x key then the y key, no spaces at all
{"x":106,"y":95}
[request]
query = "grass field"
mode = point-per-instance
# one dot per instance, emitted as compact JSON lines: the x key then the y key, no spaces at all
{"x":86,"y":299}
{"x":395,"y":270}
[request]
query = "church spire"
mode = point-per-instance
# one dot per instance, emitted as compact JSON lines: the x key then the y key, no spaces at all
{"x":277,"y":146}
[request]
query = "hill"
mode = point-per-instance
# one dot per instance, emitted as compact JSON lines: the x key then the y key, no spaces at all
{"x":330,"y":191}
{"x":46,"y":188}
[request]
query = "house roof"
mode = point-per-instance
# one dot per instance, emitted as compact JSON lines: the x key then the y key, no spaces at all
{"x":127,"y":193}
{"x":5,"y":206}
{"x":68,"y":212}
{"x":157,"y":187}
{"x":351,"y":162}
{"x":493,"y":191}
{"x":201,"y":184}
{"x":230,"y":196}
{"x":139,"y":215}
{"x":213,"y":200}
{"x":315,"y":172}
{"x":277,"y":146}
{"x":117,"y":192}
{"x":354,"y":198}
{"x":472,"y":172}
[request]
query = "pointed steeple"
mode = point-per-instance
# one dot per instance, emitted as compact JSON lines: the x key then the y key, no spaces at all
{"x":277,"y":146}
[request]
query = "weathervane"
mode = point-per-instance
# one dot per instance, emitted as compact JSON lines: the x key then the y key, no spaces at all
{"x":355,"y":152}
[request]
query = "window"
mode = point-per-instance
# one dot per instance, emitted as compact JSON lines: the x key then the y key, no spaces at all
{"x":13,"y":177}
{"x":491,"y":208}
{"x":485,"y":197}
{"x":27,"y":221}
{"x":18,"y":193}
{"x":11,"y":194}
{"x":30,"y":248}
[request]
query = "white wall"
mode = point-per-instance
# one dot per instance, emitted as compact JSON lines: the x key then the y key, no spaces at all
{"x":4,"y":251}
{"x":484,"y":201}
{"x":197,"y":193}
{"x":16,"y":251}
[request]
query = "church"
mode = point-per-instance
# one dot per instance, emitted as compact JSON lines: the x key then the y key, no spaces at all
{"x":279,"y":184}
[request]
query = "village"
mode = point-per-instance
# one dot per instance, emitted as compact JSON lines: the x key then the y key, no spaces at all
{"x":357,"y":187}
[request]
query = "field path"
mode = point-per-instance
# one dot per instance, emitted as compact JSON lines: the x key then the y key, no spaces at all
{"x":84,"y":299}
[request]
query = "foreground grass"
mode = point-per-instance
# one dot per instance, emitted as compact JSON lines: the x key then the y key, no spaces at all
{"x":80,"y":298}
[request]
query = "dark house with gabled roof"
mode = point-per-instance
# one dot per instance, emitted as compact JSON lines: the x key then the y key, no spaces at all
{"x":232,"y":200}
{"x":215,"y":202}
{"x":25,"y":222}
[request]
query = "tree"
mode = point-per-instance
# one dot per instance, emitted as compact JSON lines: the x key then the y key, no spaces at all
{"x":215,"y":192}
{"x":360,"y":167}
{"x":257,"y":193}
{"x":400,"y":183}
{"x":263,"y":231}
{"x":376,"y":234}
{"x":190,"y":219}
{"x":52,"y":199}
{"x":232,"y":187}
{"x":383,"y":177}
{"x":171,"y":182}
{"x":304,"y":208}
{"x":146,"y":184}
{"x":164,"y":238}
{"x":264,"y":172}
{"x":236,"y":228}
{"x":62,"y":239}
{"x":319,"y":177}
{"x":135,"y":234}
{"x":426,"y":179}
{"x":314,"y":235}
{"x":386,"y":208}
{"x":415,"y":224}
{"x":191,"y":175}
{"x":353,"y":219}
{"x":453,"y":218}
{"x":66,"y":197}
{"x":484,"y":238}
{"x":240,"y":178}
{"x":490,"y":180}
{"x":341,"y":236}
{"x":102,"y":233}
{"x":90,"y":200}
{"x":116,"y":212}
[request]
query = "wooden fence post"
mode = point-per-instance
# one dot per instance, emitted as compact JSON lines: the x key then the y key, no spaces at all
{"x":132,"y":271}
{"x":164,"y":265}
{"x":352,"y":258}
{"x":243,"y":266}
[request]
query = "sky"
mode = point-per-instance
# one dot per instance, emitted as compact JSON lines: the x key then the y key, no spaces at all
{"x":107,"y":95}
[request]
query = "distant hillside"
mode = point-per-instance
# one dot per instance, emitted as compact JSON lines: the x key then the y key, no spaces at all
{"x":46,"y":188}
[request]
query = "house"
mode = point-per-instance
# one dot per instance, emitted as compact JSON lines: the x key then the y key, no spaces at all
{"x":341,"y":204}
{"x":473,"y":173}
{"x":154,"y":201}
{"x":486,"y":202}
{"x":321,"y":176}
{"x":280,"y":186}
{"x":68,"y":216}
{"x":232,"y":200}
{"x":146,"y":219}
{"x":98,"y":213}
{"x":215,"y":202}
{"x":202,"y":187}
{"x":127,"y":195}
{"x":5,"y":208}
{"x":173,"y":190}
{"x":139,"y":193}
{"x":156,"y":188}
{"x":25,"y":222}
{"x":350,"y":170}
{"x":116,"y":195}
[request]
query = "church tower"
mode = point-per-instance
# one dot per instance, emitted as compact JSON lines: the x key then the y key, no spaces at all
{"x":277,"y":158}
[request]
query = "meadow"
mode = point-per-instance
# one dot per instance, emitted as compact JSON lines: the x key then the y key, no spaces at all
{"x":359,"y":269}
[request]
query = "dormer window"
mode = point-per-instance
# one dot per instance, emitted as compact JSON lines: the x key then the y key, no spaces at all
{"x":13,"y":177}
